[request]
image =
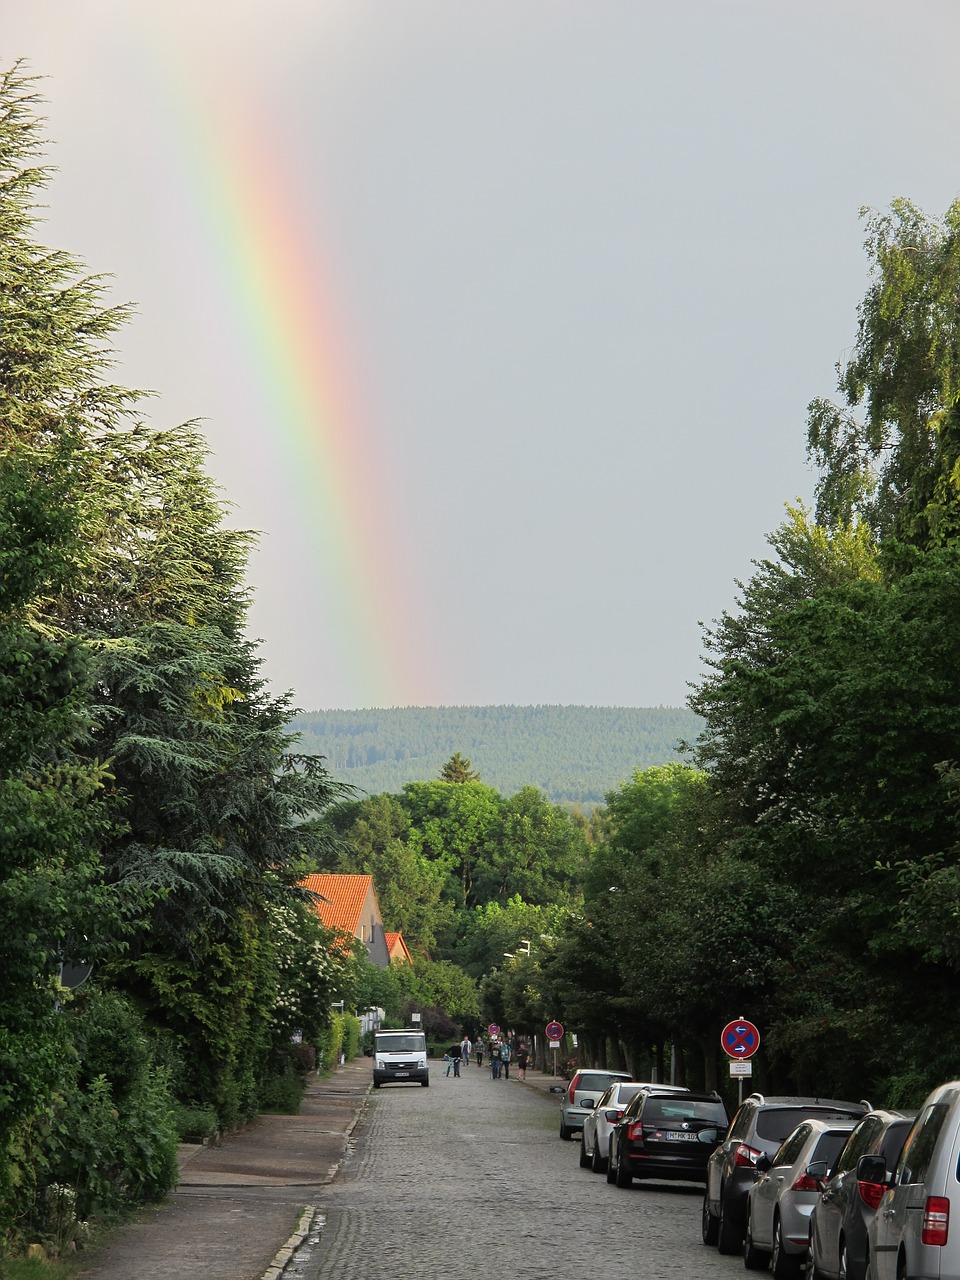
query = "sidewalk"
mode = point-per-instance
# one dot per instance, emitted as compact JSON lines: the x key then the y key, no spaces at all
{"x":243,"y":1206}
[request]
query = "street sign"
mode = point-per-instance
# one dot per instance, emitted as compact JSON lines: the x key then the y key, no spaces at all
{"x":414,"y":1017}
{"x":554,"y":1031}
{"x":740,"y":1039}
{"x":554,"y":1044}
{"x":740,"y":1068}
{"x":493,"y":1029}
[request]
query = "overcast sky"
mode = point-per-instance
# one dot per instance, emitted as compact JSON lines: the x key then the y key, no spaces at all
{"x":502,"y":318}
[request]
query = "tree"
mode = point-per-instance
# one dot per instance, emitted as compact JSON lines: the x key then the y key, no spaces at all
{"x":457,"y":769}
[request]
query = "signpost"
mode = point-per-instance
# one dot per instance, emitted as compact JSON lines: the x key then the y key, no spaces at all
{"x":554,"y":1033}
{"x":740,"y":1040}
{"x":493,"y":1030}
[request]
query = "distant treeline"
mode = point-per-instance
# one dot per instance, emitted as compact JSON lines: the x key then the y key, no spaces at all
{"x":574,"y":754}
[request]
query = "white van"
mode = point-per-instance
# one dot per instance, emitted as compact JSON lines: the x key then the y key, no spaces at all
{"x":916,"y":1230}
{"x":400,"y":1056}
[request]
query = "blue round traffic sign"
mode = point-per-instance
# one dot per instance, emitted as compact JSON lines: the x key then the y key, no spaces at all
{"x":740,"y":1039}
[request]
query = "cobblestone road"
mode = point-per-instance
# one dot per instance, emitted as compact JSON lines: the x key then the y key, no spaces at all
{"x":446,"y":1180}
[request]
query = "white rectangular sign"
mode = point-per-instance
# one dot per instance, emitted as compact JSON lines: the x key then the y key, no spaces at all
{"x":741,"y":1068}
{"x":554,"y":1044}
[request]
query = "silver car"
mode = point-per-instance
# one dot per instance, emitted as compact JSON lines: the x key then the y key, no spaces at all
{"x":595,"y":1143}
{"x":780,"y":1202}
{"x":916,"y":1229}
{"x":581,"y":1096}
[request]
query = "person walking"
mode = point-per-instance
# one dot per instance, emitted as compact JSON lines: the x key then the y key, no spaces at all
{"x":505,"y":1056}
{"x":523,"y":1057}
{"x":465,"y":1048}
{"x":495,"y":1062}
{"x":478,"y":1051}
{"x":455,"y":1055}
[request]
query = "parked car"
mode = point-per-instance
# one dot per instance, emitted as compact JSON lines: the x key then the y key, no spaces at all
{"x":758,"y":1128}
{"x":780,"y":1202}
{"x":666,"y":1135}
{"x":595,"y":1143}
{"x":837,"y":1248}
{"x":916,"y":1228}
{"x":581,"y":1095}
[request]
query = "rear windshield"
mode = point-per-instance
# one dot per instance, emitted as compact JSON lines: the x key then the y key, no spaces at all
{"x":775,"y":1124}
{"x":415,"y":1042}
{"x":594,"y":1081}
{"x":829,"y":1148}
{"x":670,"y":1110}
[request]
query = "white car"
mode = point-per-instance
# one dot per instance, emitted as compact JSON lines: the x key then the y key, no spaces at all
{"x":595,"y":1142}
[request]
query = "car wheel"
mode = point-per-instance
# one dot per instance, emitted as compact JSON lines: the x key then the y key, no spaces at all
{"x":754,"y":1259}
{"x":783,"y":1265}
{"x":729,"y":1235}
{"x":709,"y":1226}
{"x":611,"y":1167}
{"x":813,"y":1272}
{"x":425,"y":1083}
{"x":597,"y":1162}
{"x":584,"y":1158}
{"x":565,"y":1133}
{"x":624,"y":1176}
{"x":376,"y":1084}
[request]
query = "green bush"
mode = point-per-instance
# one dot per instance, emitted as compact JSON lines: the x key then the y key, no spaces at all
{"x":282,"y":1094}
{"x":195,"y":1124}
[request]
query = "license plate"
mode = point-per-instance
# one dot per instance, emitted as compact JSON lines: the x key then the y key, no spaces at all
{"x":401,"y":1073}
{"x":673,"y":1136}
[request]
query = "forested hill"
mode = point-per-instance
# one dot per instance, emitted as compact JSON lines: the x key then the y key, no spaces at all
{"x":574,"y":754}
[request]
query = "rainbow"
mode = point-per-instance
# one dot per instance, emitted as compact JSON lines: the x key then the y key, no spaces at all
{"x":279,"y":304}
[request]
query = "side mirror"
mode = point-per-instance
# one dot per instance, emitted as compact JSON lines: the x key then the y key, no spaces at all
{"x":817,"y":1170}
{"x":872,"y":1169}
{"x":763,"y":1162}
{"x":589,"y":1102}
{"x":710,"y":1136}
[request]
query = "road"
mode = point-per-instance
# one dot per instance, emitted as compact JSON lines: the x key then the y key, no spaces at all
{"x":468,"y":1180}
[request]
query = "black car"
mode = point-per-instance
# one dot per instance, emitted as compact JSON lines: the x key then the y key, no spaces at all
{"x":838,"y":1226}
{"x":665,"y":1135}
{"x":758,"y":1128}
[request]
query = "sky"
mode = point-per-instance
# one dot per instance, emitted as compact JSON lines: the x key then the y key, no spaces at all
{"x":501,"y":319}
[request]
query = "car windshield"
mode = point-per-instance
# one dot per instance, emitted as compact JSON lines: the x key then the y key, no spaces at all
{"x":682,"y":1110}
{"x":401,"y":1044}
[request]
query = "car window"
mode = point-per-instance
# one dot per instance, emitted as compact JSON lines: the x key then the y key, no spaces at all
{"x":624,"y":1092}
{"x":790,"y":1151}
{"x":918,"y":1151}
{"x":741,"y":1123}
{"x":857,"y":1143}
{"x":829,"y":1145}
{"x":594,"y":1081}
{"x":680,"y":1110}
{"x":776,"y":1123}
{"x":892,"y":1140}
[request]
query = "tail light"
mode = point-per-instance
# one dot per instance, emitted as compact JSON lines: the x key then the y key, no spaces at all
{"x":573,"y":1088}
{"x":635,"y":1131}
{"x":936,"y":1220}
{"x":745,"y":1156}
{"x":805,"y":1183}
{"x":871,"y":1193}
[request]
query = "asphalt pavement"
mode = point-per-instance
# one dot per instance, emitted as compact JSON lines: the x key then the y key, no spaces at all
{"x":242,"y":1208}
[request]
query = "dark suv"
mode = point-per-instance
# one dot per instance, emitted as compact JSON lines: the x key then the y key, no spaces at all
{"x":759,"y":1127}
{"x":665,"y":1135}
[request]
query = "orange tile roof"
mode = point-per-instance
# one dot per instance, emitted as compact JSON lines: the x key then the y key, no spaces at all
{"x":345,"y":896}
{"x":396,"y":947}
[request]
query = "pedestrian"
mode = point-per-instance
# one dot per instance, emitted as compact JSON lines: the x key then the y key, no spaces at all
{"x":523,"y":1057}
{"x":449,"y":1061}
{"x":465,"y":1047}
{"x":505,"y":1056}
{"x":478,"y":1052}
{"x":455,"y":1055}
{"x":495,"y":1062}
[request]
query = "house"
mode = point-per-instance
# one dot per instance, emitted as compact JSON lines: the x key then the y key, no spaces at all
{"x":397,"y":949}
{"x":349,"y":903}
